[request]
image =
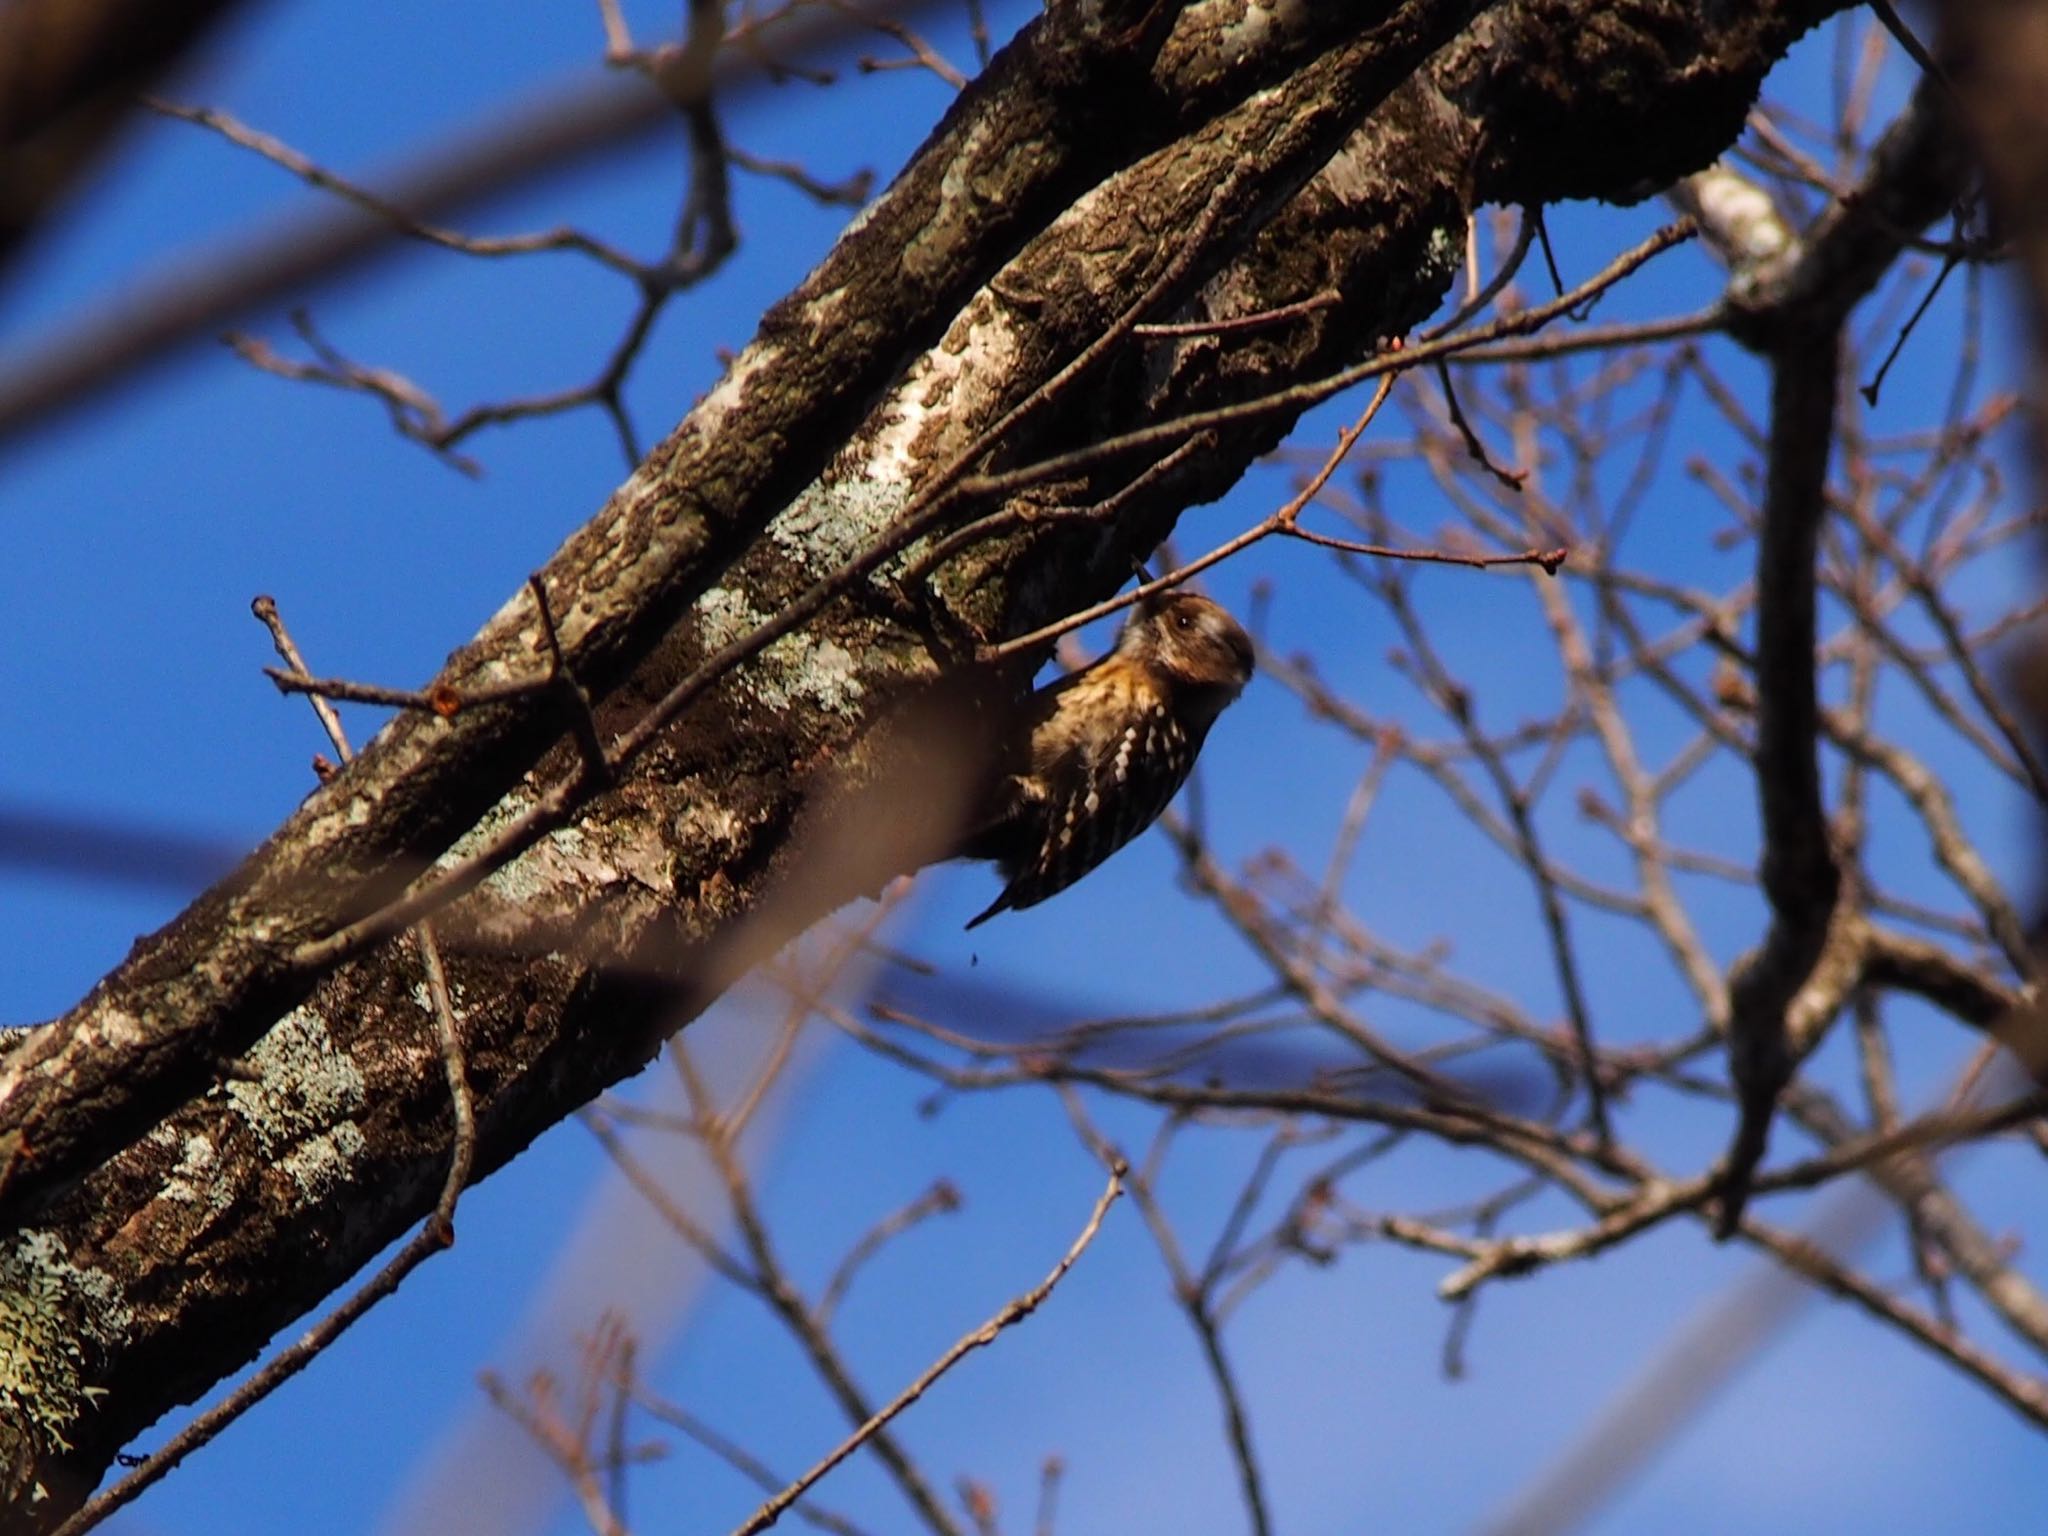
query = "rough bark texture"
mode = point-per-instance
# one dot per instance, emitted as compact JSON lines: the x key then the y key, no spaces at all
{"x":167,"y":1216}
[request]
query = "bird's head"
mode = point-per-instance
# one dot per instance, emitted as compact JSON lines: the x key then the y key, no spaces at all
{"x":1192,"y":640}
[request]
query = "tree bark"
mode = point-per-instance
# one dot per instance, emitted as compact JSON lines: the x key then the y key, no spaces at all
{"x":249,"y":1108}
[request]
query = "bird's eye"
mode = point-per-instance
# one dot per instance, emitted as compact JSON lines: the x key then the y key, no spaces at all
{"x":1183,"y":621}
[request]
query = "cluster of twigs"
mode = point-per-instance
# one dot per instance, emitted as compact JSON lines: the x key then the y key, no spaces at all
{"x":705,"y":235}
{"x":1605,"y":757}
{"x":1608,"y":774}
{"x":1609,"y":812}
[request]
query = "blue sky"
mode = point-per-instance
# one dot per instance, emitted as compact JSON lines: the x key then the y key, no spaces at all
{"x":142,"y":528}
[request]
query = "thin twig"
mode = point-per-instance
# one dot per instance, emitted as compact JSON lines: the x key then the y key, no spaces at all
{"x":582,"y":719}
{"x":1234,"y":324}
{"x":941,"y":1198}
{"x":1299,"y":397}
{"x":1015,"y":1312}
{"x":442,"y":701}
{"x":435,"y":1234}
{"x":265,"y":609}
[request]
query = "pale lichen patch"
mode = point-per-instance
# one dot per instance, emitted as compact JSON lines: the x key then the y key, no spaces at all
{"x":488,"y":826}
{"x":302,"y":1084}
{"x":51,"y":1311}
{"x":797,"y":667}
{"x":323,"y":1167}
{"x":892,"y":456}
{"x":543,"y":870}
{"x":194,"y":1179}
{"x":808,"y":668}
{"x":724,"y":616}
{"x":831,"y":522}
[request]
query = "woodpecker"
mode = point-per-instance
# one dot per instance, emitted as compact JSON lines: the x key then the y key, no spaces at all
{"x":1102,"y":751}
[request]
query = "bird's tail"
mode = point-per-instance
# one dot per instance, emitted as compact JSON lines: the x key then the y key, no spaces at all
{"x":1000,"y":904}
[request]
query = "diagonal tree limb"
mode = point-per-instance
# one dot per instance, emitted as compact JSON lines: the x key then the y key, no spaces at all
{"x":143,"y":1041}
